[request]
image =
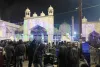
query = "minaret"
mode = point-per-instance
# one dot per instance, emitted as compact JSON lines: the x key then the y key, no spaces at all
{"x":27,"y":13}
{"x":50,"y":11}
{"x":72,"y":28}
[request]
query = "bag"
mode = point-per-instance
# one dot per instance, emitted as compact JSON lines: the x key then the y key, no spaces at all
{"x":74,"y":54}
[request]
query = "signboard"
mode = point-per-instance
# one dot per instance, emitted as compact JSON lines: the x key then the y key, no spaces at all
{"x":85,"y":47}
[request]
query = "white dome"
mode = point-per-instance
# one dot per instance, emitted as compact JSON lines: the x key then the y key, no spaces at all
{"x":50,"y":8}
{"x":34,"y":15}
{"x":42,"y":14}
{"x":27,"y":10}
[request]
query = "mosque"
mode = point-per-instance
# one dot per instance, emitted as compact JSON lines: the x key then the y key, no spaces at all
{"x":41,"y":27}
{"x":90,"y":28}
{"x":34,"y":27}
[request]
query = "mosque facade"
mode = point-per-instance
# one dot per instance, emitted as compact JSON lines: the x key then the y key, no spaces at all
{"x":39,"y":27}
{"x":89,"y":27}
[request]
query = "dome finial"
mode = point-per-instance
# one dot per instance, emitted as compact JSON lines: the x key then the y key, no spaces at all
{"x":27,"y":10}
{"x":34,"y":15}
{"x":42,"y":14}
{"x":50,"y":8}
{"x":84,"y":19}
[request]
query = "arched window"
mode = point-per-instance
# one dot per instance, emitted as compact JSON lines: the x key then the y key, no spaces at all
{"x":28,"y":13}
{"x":25,"y":13}
{"x":50,"y":11}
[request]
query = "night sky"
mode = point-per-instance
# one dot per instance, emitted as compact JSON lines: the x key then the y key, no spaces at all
{"x":13,"y":10}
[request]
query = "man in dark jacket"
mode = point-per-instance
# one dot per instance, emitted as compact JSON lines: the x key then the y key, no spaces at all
{"x":19,"y":51}
{"x":74,"y":55}
{"x":62,"y":56}
{"x":9,"y":49}
{"x":38,"y":55}
{"x":31,"y":50}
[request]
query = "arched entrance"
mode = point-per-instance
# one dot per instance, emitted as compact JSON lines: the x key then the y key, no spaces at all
{"x":39,"y":33}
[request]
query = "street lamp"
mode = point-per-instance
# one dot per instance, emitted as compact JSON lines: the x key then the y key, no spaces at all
{"x":75,"y":33}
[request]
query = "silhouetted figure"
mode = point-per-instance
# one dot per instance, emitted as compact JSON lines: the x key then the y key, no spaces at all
{"x":31,"y":50}
{"x":84,"y":65}
{"x":98,"y":65}
{"x":9,"y":49}
{"x":15,"y":44}
{"x":67,"y":55}
{"x":62,"y":56}
{"x":20,"y":51}
{"x":38,"y":55}
{"x":74,"y":55}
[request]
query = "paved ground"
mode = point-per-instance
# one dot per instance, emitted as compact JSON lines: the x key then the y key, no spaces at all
{"x":26,"y":64}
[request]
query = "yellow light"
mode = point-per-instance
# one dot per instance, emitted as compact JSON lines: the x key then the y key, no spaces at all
{"x":0,"y":33}
{"x":12,"y":38}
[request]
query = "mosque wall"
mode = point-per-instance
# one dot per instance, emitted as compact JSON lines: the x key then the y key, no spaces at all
{"x":7,"y":30}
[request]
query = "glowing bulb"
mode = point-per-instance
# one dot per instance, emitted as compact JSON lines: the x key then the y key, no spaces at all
{"x":75,"y":33}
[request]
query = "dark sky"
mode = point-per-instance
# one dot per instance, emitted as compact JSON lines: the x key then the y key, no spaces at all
{"x":13,"y":10}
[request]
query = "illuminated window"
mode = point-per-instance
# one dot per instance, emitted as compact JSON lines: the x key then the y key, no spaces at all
{"x":50,"y":11}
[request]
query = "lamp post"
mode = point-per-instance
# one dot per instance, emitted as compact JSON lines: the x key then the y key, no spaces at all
{"x":80,"y":23}
{"x":72,"y":28}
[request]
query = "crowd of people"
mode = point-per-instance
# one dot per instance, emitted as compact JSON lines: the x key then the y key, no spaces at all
{"x":67,"y":54}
